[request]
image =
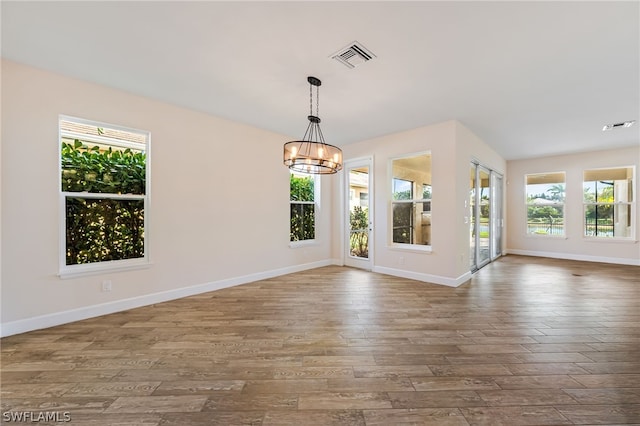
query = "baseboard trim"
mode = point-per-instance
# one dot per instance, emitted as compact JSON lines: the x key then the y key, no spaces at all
{"x":428,"y":278}
{"x":580,"y":257}
{"x":65,"y":317}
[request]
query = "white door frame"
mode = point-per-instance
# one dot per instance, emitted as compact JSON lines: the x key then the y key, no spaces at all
{"x":497,"y":211}
{"x":357,"y":262}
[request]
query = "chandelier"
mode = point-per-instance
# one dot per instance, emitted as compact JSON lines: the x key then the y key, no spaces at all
{"x":311,"y":154}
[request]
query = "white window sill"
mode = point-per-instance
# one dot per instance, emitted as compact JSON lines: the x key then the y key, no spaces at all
{"x":415,"y":248}
{"x":303,"y":243}
{"x":618,"y":240}
{"x":558,"y":237}
{"x":76,"y":271}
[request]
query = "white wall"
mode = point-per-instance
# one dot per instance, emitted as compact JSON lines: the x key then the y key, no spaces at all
{"x":212,"y":223}
{"x":452,"y":147}
{"x":574,"y":246}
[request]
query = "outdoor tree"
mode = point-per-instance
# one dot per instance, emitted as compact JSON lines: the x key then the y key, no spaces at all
{"x":359,"y":237}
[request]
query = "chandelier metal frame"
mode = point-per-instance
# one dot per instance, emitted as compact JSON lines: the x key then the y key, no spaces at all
{"x":312,"y":154}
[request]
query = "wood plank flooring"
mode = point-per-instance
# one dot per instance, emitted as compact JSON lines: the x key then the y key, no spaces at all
{"x":528,"y":341}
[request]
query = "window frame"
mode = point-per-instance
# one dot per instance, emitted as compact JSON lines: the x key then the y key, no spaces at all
{"x":631,"y":205}
{"x":417,"y":192}
{"x":76,"y":270}
{"x":316,"y":208}
{"x":554,"y":204}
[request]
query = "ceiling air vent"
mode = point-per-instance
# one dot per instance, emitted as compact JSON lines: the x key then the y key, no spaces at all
{"x":353,"y":55}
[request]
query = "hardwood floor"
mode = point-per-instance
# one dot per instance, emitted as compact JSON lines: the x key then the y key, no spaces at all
{"x":527,"y":341}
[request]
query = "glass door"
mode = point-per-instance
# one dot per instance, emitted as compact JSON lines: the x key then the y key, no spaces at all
{"x":359,"y":214}
{"x":485,"y":216}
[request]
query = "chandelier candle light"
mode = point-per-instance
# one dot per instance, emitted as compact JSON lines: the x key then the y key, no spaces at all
{"x":311,"y":154}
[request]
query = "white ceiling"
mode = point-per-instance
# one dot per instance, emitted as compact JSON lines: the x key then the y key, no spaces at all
{"x":530,"y":78}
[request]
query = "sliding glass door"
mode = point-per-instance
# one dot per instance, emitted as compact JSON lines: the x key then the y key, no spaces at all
{"x":485,"y":216}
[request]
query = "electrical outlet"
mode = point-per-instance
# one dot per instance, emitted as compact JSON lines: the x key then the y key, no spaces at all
{"x":106,"y":285}
{"x":401,"y":260}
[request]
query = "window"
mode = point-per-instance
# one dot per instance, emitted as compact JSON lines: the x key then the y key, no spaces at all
{"x":545,"y":194}
{"x":302,"y":207}
{"x":411,"y":200}
{"x":403,"y":211}
{"x":426,"y":195}
{"x":364,"y":199}
{"x":608,"y":202}
{"x":104,"y":196}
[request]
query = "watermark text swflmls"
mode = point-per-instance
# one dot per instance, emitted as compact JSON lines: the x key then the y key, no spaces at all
{"x":36,"y":416}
